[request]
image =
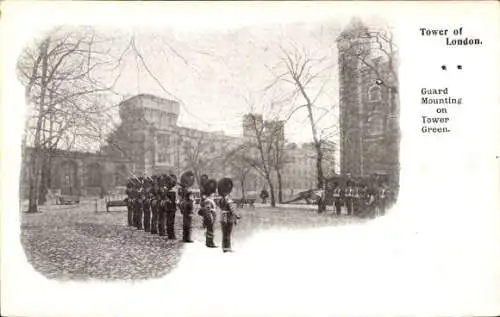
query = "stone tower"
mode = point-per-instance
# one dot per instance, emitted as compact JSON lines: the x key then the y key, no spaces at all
{"x":369,"y":112}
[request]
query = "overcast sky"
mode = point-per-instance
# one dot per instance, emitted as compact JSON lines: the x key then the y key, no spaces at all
{"x":219,"y":74}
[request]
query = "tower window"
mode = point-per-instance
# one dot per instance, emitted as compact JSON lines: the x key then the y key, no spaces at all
{"x":374,"y":93}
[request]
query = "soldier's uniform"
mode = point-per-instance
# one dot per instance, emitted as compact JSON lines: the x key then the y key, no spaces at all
{"x":363,"y":199}
{"x":349,"y":198}
{"x":155,"y":204}
{"x":357,"y":203}
{"x":146,"y":204}
{"x":171,"y":209}
{"x":370,"y":203}
{"x":338,"y":194}
{"x":130,"y":202}
{"x":186,"y":207}
{"x":164,"y":200}
{"x":381,"y":199}
{"x":209,"y":216}
{"x":138,"y":205}
{"x":207,"y":209}
{"x":228,"y":216}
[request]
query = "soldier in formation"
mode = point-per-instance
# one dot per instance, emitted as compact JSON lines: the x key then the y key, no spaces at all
{"x":146,"y":203}
{"x":207,"y":209}
{"x":363,"y":199}
{"x":131,"y":192}
{"x":186,"y":207}
{"x":338,"y":198}
{"x":152,"y":205}
{"x":228,"y":216}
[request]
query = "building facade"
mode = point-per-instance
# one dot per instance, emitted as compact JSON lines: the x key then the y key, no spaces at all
{"x":77,"y":173}
{"x":369,"y":104}
{"x":150,"y":137}
{"x":149,"y":141}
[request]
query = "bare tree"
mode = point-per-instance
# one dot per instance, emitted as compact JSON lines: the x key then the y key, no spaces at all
{"x":240,"y":170}
{"x":62,"y":75}
{"x":203,"y":154}
{"x":306,"y":76}
{"x":275,"y":135}
{"x":257,"y":151}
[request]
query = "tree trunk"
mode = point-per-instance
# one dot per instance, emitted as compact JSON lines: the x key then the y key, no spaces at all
{"x":242,"y":188}
{"x":37,"y":145}
{"x":271,"y":190}
{"x":33,"y":177}
{"x":320,"y":180}
{"x":280,"y":187}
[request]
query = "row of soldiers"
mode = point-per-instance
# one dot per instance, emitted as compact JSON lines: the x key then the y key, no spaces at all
{"x":152,"y":204}
{"x":361,"y":199}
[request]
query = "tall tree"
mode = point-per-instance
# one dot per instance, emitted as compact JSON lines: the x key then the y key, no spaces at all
{"x":240,"y":171}
{"x":308,"y":77}
{"x":62,"y":75}
{"x":204,"y":153}
{"x":275,"y":135}
{"x":256,"y":151}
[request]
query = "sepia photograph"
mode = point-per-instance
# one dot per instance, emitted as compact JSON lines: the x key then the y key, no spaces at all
{"x":138,"y":142}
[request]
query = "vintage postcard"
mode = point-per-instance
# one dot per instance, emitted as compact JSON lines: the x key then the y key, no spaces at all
{"x":250,"y":158}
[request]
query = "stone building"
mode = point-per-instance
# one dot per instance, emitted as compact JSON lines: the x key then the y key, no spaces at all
{"x":78,"y":173}
{"x":300,"y":174}
{"x":149,"y":141}
{"x":369,"y":103}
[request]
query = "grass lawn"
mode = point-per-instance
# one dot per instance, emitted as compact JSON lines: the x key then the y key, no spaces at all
{"x":76,"y":243}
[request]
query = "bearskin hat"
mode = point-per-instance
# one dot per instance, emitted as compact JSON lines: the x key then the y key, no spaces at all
{"x":225,"y":186}
{"x":203,"y":184}
{"x":174,"y":178}
{"x":187,"y":179}
{"x":210,"y":187}
{"x":170,"y":182}
{"x":203,"y":179}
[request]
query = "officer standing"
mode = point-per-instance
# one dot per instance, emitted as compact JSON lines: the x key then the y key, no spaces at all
{"x":171,"y":208}
{"x":338,"y":197}
{"x":349,"y":197}
{"x":130,"y":191}
{"x":207,"y":211}
{"x":138,"y":204}
{"x":164,"y":188}
{"x":357,"y":199}
{"x":382,"y":198}
{"x":186,"y":207}
{"x":146,"y":203}
{"x":155,"y":204}
{"x":228,"y":216}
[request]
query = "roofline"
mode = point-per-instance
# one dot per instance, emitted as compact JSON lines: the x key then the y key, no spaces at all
{"x":150,"y":96}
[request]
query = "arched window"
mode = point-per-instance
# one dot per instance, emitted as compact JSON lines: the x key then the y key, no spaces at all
{"x":374,"y":93}
{"x":94,"y":175}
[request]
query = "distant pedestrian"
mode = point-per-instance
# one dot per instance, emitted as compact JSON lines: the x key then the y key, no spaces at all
{"x":264,"y":195}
